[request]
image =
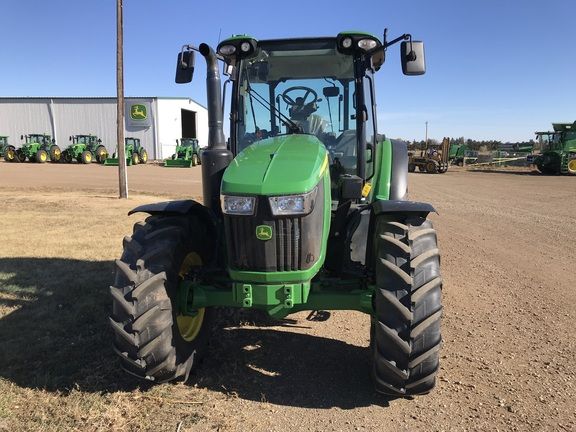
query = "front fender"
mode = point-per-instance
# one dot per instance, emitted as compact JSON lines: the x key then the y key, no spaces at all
{"x":401,"y":206}
{"x":179,"y":208}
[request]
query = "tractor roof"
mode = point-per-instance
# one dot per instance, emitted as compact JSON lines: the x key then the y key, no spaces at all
{"x":563,"y":127}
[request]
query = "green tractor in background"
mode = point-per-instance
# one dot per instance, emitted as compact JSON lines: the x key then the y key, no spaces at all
{"x":7,"y":151}
{"x":460,"y":154}
{"x":36,"y":148}
{"x":85,"y":149}
{"x":304,"y":209}
{"x":187,"y":154}
{"x":557,"y":150}
{"x":135,"y":153}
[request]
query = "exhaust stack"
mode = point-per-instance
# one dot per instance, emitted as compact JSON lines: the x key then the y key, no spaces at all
{"x":216,"y":157}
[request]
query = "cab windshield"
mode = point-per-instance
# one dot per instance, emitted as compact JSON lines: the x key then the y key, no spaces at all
{"x":298,"y":88}
{"x":550,"y":141}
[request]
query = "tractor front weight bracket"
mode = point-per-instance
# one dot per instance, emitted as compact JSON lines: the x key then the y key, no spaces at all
{"x":278,"y":300}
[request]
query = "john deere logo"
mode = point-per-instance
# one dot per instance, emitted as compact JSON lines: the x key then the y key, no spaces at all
{"x":138,"y":112}
{"x":263,"y":232}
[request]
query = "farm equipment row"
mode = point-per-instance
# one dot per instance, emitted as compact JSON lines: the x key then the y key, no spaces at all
{"x":84,"y":149}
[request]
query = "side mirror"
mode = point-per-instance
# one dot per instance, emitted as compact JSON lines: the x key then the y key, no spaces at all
{"x":185,"y":67}
{"x":21,"y":137}
{"x":70,"y":138}
{"x":99,"y":140}
{"x":331,"y":91}
{"x":412,"y":58}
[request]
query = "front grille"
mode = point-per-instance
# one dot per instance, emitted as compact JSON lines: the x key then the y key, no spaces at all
{"x":295,"y":243}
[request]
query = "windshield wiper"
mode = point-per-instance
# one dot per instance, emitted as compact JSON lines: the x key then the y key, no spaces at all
{"x":293,"y":127}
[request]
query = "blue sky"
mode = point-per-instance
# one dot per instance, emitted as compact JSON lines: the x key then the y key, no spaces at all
{"x":495,"y":69}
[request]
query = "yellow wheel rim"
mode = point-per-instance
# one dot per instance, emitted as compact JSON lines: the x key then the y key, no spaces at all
{"x":43,"y":157}
{"x":89,"y":157}
{"x":144,"y":157}
{"x":572,"y":166}
{"x":188,"y":325}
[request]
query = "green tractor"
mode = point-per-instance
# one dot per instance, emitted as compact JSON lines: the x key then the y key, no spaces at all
{"x":36,"y":148}
{"x":7,"y":151}
{"x":558,"y":150}
{"x":85,"y":149}
{"x":187,"y":154}
{"x":304,"y":209}
{"x":135,"y":153}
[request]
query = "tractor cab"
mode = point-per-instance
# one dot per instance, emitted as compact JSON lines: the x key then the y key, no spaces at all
{"x":321,"y":89}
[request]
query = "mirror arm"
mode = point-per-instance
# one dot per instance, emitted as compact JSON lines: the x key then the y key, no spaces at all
{"x":189,"y":47}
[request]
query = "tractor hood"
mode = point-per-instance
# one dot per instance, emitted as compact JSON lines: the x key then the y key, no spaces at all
{"x":283,"y":165}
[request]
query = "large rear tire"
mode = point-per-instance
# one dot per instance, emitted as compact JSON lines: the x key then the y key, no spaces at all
{"x":101,"y":154}
{"x":55,"y":153}
{"x":10,"y":154}
{"x":405,"y":332}
{"x":153,"y":339}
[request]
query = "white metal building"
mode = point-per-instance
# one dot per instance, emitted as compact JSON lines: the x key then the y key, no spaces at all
{"x":157,"y":121}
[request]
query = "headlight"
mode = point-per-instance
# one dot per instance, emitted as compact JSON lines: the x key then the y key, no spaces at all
{"x":293,"y":204}
{"x":227,"y":50}
{"x":346,"y":43}
{"x":367,"y":44}
{"x":238,"y":205}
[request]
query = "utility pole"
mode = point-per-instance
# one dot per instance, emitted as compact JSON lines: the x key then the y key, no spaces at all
{"x":122,"y":178}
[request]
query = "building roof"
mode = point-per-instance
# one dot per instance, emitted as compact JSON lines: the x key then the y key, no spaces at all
{"x":98,"y":98}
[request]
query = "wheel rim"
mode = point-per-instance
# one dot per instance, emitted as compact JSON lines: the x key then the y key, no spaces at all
{"x":43,"y":157}
{"x":189,"y":325}
{"x":88,"y":158}
{"x":572,"y":166}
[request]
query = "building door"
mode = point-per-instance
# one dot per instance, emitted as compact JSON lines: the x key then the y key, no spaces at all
{"x":188,"y":124}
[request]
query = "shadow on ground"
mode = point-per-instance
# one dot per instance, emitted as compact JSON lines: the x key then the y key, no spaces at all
{"x":53,"y":330}
{"x":282,"y":367}
{"x":54,"y":335}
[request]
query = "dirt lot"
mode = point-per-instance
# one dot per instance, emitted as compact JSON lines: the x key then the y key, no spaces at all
{"x":509,"y":354}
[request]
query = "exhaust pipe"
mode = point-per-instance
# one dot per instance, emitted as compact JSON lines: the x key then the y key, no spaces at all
{"x":216,"y":157}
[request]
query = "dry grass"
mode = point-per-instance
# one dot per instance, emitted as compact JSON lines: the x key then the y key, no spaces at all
{"x":57,"y":371}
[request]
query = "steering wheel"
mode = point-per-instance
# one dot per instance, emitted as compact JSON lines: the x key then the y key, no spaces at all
{"x":307,"y":91}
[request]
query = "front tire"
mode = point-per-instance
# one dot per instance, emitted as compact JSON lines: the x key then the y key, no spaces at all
{"x":153,"y":339}
{"x":405,"y":333}
{"x":431,"y":167}
{"x":86,"y":157}
{"x":41,"y":156}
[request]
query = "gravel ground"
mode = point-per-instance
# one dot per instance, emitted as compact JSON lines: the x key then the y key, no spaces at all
{"x":509,"y":354}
